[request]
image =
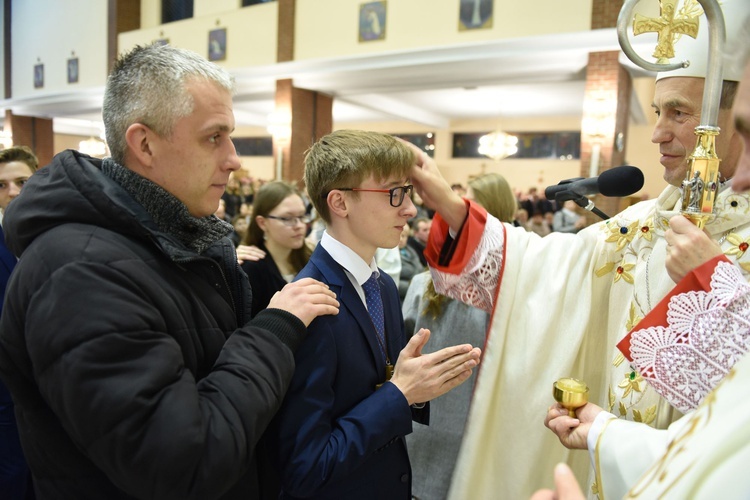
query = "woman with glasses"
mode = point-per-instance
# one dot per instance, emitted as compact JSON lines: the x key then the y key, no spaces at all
{"x":278,"y":228}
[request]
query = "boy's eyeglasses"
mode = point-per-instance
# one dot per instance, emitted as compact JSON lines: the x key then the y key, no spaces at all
{"x":397,"y":194}
{"x":291,"y":221}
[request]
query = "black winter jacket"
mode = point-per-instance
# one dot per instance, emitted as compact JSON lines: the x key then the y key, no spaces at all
{"x":132,"y":360}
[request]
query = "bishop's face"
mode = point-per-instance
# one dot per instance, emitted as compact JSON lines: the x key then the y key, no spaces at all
{"x":741,"y":181}
{"x":677,"y":104}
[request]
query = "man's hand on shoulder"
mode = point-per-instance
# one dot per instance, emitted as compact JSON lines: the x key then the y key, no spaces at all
{"x":307,"y":299}
{"x":251,"y":253}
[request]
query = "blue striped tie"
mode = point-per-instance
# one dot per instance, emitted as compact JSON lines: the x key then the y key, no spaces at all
{"x":375,"y":308}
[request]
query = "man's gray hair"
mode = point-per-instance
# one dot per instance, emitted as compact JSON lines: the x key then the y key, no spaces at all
{"x":148,"y":85}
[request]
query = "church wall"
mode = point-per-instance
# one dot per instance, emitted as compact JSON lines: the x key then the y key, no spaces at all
{"x":325,"y":28}
{"x":54,"y":30}
{"x":251,"y":32}
{"x":329,"y":28}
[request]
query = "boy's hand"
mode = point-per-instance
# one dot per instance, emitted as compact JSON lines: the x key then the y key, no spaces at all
{"x":422,"y":377}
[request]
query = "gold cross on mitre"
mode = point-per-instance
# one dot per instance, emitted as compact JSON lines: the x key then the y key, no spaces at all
{"x":667,"y":27}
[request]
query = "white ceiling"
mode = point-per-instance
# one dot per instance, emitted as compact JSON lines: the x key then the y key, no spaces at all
{"x":536,"y":77}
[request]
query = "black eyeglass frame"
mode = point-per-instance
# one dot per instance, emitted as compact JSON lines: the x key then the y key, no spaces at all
{"x":291,"y":221}
{"x":399,"y":193}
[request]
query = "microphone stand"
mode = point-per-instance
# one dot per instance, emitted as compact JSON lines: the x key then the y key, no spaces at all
{"x":581,"y":201}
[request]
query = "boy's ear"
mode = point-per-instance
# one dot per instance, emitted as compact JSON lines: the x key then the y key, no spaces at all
{"x":337,"y":203}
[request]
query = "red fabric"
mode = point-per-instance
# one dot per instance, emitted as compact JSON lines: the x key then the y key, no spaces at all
{"x":464,"y":247}
{"x":698,"y":279}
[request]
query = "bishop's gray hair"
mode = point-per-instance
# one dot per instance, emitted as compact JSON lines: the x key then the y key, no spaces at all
{"x":148,"y":85}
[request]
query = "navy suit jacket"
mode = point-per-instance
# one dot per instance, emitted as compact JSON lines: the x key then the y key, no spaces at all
{"x":336,"y":435}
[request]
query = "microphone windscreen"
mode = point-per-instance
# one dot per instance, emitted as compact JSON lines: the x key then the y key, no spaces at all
{"x":620,"y":181}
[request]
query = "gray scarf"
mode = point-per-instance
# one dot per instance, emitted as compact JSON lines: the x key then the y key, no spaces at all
{"x":170,"y":214}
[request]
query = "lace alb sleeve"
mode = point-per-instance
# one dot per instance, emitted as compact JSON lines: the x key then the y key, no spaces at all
{"x":477,"y":282}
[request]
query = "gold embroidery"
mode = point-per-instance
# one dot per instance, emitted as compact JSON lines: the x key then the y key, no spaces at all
{"x":739,"y":245}
{"x":619,"y":358}
{"x":611,"y":398}
{"x":633,"y":320}
{"x":631,"y":384}
{"x":605,"y":269}
{"x":647,"y":229}
{"x":623,"y":271}
{"x":623,"y":410}
{"x":621,"y":237}
{"x":649,"y":416}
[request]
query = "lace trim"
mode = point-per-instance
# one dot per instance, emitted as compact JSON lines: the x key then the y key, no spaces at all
{"x":706,"y":334}
{"x":477,"y":282}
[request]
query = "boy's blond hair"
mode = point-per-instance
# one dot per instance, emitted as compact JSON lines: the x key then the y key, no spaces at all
{"x":345,"y":158}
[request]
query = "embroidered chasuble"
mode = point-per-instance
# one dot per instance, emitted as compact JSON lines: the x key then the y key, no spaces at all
{"x":559,"y":306}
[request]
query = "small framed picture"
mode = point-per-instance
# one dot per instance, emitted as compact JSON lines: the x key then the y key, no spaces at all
{"x":38,"y":76}
{"x":217,"y":44}
{"x":161,"y":41}
{"x":73,"y":70}
{"x":372,"y":21}
{"x":474,"y":14}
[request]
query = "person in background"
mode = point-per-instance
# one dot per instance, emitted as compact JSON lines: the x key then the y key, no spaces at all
{"x":567,"y":220}
{"x":17,"y":165}
{"x":240,"y":225}
{"x":538,"y":224}
{"x":278,"y":229}
{"x":126,"y":338}
{"x":410,"y":263}
{"x":434,"y":448}
{"x":420,"y":233}
{"x":232,"y":198}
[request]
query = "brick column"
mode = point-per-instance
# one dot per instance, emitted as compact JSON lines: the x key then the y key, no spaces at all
{"x":33,"y":132}
{"x":606,"y":108}
{"x":310,"y":112}
{"x":311,"y":118}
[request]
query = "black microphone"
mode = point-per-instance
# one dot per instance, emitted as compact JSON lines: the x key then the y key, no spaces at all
{"x":618,"y":181}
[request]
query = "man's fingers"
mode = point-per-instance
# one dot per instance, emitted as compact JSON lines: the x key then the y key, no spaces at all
{"x":413,"y":348}
{"x":565,"y":483}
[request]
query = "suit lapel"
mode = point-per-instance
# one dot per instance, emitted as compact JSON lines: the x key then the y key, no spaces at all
{"x":348,"y":297}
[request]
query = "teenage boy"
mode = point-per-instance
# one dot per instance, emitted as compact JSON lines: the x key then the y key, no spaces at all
{"x":340,"y":432}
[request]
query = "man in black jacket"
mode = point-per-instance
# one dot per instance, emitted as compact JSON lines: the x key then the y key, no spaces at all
{"x":126,"y":339}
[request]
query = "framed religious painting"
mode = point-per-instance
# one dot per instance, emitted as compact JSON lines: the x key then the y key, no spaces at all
{"x":217,"y":44}
{"x":38,"y":76}
{"x":73,"y":70}
{"x":475,"y":14}
{"x":372,"y":21}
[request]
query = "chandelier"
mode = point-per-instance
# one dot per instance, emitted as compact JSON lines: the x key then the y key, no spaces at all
{"x":93,"y":147}
{"x":6,"y":139}
{"x":498,"y":145}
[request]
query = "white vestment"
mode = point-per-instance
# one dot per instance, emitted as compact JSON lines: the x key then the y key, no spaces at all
{"x":559,"y":305}
{"x":703,"y":456}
